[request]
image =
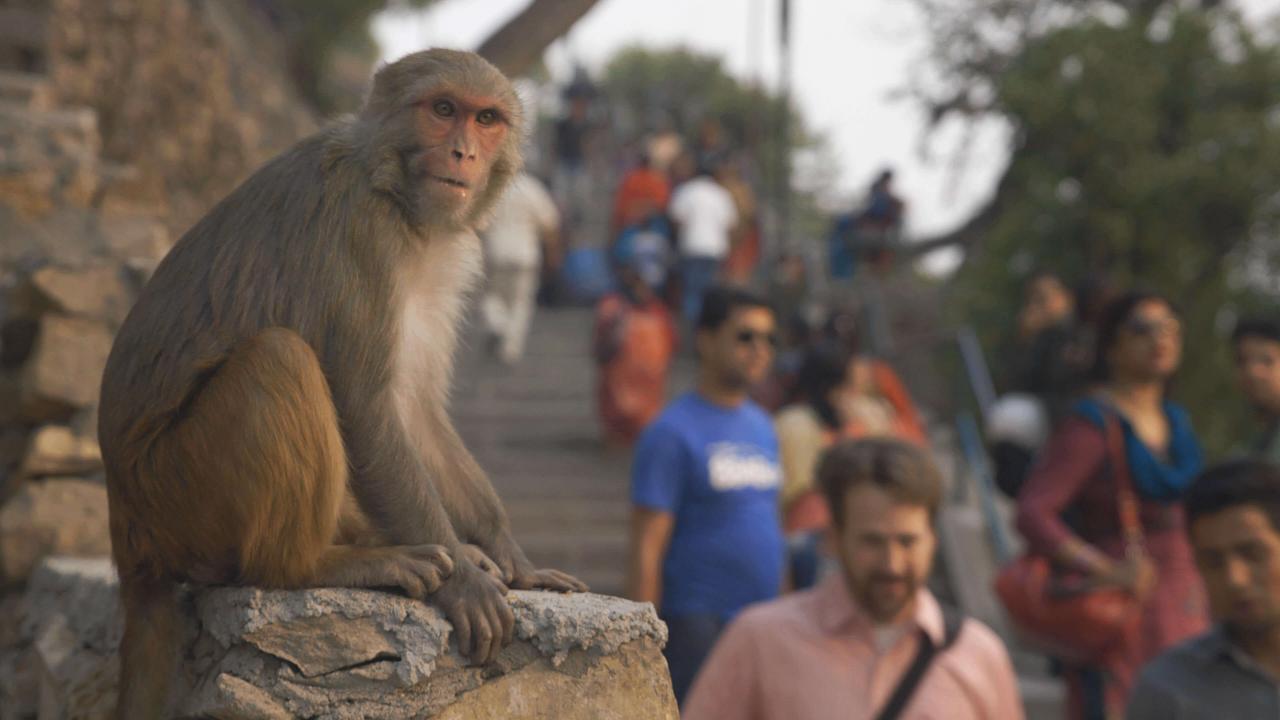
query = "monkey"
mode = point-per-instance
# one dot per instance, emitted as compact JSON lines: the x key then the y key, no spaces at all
{"x":274,"y":408}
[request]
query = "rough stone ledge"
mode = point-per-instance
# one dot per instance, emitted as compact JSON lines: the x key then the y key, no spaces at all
{"x":332,"y":653}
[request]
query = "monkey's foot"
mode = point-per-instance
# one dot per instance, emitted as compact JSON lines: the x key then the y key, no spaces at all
{"x":420,"y":569}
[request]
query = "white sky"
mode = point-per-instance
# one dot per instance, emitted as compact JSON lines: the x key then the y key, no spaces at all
{"x":849,"y":56}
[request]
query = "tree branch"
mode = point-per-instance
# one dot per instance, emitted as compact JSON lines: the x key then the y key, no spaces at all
{"x":518,"y":45}
{"x":967,"y":234}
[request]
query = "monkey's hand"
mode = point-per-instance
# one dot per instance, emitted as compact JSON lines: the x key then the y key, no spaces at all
{"x":484,"y":562}
{"x":473,"y":601}
{"x":419,"y":569}
{"x":523,"y":575}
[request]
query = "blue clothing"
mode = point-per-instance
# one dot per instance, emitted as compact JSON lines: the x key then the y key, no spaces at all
{"x":689,"y":642}
{"x":697,"y":274}
{"x":841,"y":261}
{"x":1154,"y":478}
{"x":716,"y":469}
{"x":646,"y":246}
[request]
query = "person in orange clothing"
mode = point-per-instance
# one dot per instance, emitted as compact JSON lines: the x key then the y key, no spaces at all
{"x":635,"y":339}
{"x":643,"y":192}
{"x":744,"y":248}
{"x":843,"y":396}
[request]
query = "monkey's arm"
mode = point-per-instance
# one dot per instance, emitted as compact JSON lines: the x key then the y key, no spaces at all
{"x":477,"y":512}
{"x":389,"y":479}
{"x":399,"y":493}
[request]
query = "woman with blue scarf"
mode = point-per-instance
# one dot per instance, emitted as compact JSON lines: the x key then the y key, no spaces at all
{"x":1068,"y":509}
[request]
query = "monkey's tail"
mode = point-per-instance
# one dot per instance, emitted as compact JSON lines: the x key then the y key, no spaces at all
{"x":149,"y":647}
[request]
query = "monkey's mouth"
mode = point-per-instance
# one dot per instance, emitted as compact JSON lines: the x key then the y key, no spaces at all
{"x":450,"y":182}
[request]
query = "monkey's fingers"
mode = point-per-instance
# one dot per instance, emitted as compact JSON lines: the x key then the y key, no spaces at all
{"x":548,"y":579}
{"x":484,"y":631}
{"x":501,"y":619}
{"x":559,"y":580}
{"x":505,"y":622}
{"x":437,"y":555}
{"x":507,"y":568}
{"x":483,"y":561}
{"x":413,"y":586}
{"x":462,"y":631}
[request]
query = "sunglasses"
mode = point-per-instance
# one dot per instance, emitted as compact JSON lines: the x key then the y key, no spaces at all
{"x":747,"y":337}
{"x":1145,"y":328}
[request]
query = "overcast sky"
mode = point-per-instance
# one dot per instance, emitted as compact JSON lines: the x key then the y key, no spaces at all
{"x":849,"y":58}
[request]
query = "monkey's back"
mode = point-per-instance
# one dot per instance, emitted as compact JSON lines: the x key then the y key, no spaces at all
{"x":271,"y":254}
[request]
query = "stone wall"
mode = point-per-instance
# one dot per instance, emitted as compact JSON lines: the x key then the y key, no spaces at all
{"x":338,"y":654}
{"x":134,"y":119}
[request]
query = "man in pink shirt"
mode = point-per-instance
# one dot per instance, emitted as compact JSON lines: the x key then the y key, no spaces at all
{"x":844,"y":648}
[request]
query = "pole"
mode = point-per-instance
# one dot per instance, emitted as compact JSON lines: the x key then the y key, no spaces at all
{"x":784,"y":128}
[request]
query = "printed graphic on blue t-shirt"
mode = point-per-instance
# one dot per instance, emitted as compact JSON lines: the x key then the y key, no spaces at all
{"x":716,"y":469}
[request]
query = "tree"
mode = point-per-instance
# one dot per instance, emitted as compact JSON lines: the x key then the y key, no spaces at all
{"x":974,"y":43}
{"x":1147,"y":145}
{"x":331,"y":49}
{"x":518,"y":45}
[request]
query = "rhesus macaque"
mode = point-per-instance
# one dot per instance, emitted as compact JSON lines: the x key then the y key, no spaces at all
{"x":274,"y":408}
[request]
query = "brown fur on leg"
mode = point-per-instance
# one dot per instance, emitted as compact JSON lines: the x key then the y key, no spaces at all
{"x":249,"y":485}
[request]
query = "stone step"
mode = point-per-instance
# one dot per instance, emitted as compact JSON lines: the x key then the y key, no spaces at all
{"x":30,"y":91}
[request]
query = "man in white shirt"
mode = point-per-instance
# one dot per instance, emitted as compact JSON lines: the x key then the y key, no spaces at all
{"x":524,"y":219}
{"x":706,"y":215}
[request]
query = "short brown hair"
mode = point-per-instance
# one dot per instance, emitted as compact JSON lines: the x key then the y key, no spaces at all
{"x":903,"y":470}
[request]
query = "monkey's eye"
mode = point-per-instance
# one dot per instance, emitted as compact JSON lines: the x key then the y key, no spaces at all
{"x":443,"y":108}
{"x":487,"y":117}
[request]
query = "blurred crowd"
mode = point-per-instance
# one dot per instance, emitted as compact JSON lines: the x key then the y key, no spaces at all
{"x":784,"y":509}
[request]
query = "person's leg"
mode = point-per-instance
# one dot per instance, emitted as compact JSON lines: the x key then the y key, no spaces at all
{"x":520,"y":306}
{"x":494,"y":307}
{"x":689,"y":641}
{"x":699,"y":272}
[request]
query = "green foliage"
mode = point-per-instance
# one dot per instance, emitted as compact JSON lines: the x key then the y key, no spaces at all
{"x":318,"y":31}
{"x":1152,"y":152}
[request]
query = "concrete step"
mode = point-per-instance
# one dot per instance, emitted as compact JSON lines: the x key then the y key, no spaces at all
{"x":30,"y":91}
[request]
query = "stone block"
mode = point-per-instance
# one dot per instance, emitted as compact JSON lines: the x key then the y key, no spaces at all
{"x":338,"y":654}
{"x":26,"y":90}
{"x":97,"y":292}
{"x":58,"y":516}
{"x":64,"y":371}
{"x":56,"y":450}
{"x":136,"y":239}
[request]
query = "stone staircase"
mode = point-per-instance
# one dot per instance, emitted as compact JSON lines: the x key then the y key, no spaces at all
{"x":533,"y":428}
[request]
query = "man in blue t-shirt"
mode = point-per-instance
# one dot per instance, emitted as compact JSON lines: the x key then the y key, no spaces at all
{"x":705,"y":540}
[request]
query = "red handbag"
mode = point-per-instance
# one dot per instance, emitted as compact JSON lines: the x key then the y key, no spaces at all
{"x":1077,"y":625}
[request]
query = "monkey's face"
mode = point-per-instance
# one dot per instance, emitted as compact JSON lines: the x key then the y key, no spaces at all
{"x":460,"y":137}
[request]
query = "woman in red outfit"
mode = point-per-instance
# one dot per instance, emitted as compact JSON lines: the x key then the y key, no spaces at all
{"x":1068,"y":508}
{"x":635,"y":338}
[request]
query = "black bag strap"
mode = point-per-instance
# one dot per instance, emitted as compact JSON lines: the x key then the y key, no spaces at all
{"x":952,"y":621}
